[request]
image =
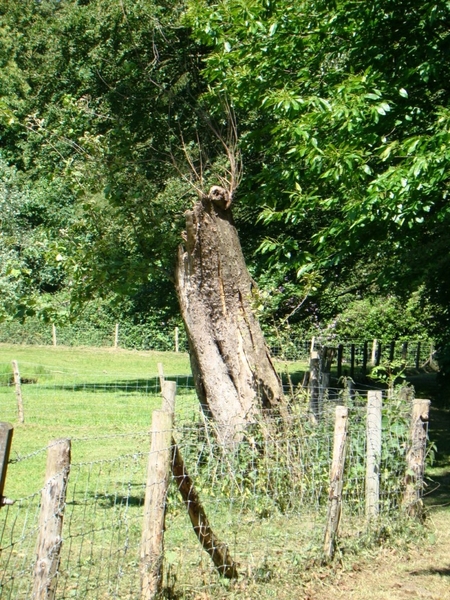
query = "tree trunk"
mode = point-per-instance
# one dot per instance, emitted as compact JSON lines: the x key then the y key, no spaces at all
{"x":233,"y":371}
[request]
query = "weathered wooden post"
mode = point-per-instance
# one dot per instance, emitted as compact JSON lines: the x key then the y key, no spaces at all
{"x":161,"y":375}
{"x":116,"y":336}
{"x":373,"y":432}
{"x":217,"y":550}
{"x":373,"y":359}
{"x":169,"y":391}
{"x":326,"y":360}
{"x":313,"y":385}
{"x":364,"y":358}
{"x":51,"y":520}
{"x":6,"y":433}
{"x":336,"y":481}
{"x":415,"y":458}
{"x":177,"y":338}
{"x":378,"y":354}
{"x":352,"y":361}
{"x":17,"y":383}
{"x":340,"y":353}
{"x":405,"y":353}
{"x":158,"y":477}
{"x":391,"y":351}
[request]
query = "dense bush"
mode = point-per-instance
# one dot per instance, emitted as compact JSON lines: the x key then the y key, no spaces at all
{"x":96,"y":327}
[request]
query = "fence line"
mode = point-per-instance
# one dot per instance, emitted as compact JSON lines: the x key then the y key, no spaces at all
{"x":265,"y":497}
{"x":283,"y":345}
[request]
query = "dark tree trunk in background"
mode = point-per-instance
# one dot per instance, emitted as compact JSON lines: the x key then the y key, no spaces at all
{"x":233,"y":371}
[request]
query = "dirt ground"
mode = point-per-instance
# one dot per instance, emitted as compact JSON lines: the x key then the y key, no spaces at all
{"x":397,"y":574}
{"x":416,"y":571}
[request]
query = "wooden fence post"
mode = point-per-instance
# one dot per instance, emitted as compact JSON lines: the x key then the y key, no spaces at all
{"x":364,"y":358}
{"x":177,"y":337}
{"x":391,"y":351}
{"x":326,"y":360}
{"x":158,"y":477}
{"x":405,"y":353}
{"x":6,"y":433}
{"x":54,"y":335}
{"x":116,"y":336}
{"x":352,"y":361}
{"x":415,"y":458}
{"x":51,"y":520}
{"x":218,"y":551}
{"x":313,"y":385}
{"x":373,"y":432}
{"x":169,"y":391}
{"x":373,"y":360}
{"x":336,"y":481}
{"x":17,"y":383}
{"x":340,"y":353}
{"x":378,"y":355}
{"x":161,"y":375}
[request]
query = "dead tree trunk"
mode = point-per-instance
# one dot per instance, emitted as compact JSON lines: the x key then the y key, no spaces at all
{"x":233,"y":371}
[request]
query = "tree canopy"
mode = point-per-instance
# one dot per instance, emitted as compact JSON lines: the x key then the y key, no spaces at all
{"x":343,"y":117}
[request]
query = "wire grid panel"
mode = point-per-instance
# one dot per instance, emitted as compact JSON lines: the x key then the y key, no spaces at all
{"x":265,"y":497}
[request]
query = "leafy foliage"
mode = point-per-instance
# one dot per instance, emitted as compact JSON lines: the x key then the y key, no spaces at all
{"x":343,"y":115}
{"x":345,"y":122}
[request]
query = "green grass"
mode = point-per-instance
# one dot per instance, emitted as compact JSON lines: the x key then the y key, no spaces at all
{"x":103,"y":400}
{"x":92,"y":361}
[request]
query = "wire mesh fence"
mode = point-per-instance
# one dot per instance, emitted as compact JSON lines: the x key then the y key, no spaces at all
{"x":265,"y":496}
{"x":283,"y":344}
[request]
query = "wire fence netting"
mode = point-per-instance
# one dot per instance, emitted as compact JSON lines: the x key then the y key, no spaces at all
{"x":265,"y":495}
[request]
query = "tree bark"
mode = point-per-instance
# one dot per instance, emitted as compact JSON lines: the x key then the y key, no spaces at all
{"x":234,"y":375}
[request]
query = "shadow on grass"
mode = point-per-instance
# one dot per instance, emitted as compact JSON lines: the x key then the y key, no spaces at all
{"x":437,"y":491}
{"x":143,"y":386}
{"x":107,"y":501}
{"x":441,"y":572}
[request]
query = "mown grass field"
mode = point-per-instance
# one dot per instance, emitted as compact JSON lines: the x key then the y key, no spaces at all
{"x":103,"y":400}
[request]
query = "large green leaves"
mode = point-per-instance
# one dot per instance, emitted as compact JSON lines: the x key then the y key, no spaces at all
{"x":344,"y":110}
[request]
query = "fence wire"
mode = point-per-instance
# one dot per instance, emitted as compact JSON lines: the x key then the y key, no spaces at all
{"x":265,"y":497}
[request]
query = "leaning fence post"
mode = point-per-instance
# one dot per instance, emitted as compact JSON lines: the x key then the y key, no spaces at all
{"x":217,"y":550}
{"x":177,"y":337}
{"x":116,"y":336}
{"x":415,"y":458}
{"x":17,"y":383}
{"x":6,"y":433}
{"x":336,"y":481}
{"x":158,"y":477}
{"x":373,"y":432}
{"x":51,"y":520}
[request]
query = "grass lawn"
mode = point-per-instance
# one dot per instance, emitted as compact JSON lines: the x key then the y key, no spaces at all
{"x":102,"y":399}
